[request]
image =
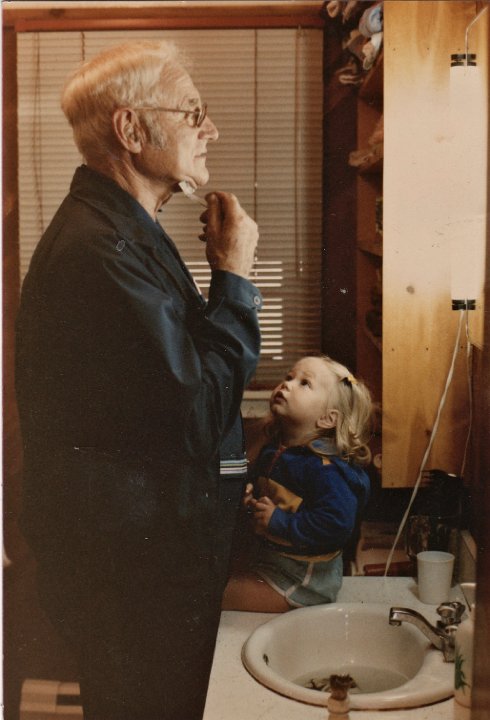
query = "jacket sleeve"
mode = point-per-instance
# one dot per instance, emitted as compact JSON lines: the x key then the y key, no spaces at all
{"x":327,"y":520}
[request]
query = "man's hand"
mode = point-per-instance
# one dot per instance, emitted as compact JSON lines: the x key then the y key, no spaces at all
{"x":231,"y":235}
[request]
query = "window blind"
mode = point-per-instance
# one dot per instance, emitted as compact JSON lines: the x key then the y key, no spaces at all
{"x":264,"y":93}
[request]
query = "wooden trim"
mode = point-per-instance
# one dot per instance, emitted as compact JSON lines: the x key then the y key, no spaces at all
{"x":12,"y":455}
{"x":10,"y":216}
{"x":339,"y":197}
{"x":167,"y":15}
{"x":183,"y":23}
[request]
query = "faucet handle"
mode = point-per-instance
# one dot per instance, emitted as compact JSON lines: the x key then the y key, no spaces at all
{"x":450,"y":613}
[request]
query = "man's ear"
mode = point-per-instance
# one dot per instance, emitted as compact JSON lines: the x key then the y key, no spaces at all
{"x":127,"y":129}
{"x":329,"y":420}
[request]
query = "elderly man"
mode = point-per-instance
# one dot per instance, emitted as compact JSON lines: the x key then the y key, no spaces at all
{"x":129,"y":385}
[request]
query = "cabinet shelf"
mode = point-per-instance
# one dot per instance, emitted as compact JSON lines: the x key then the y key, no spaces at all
{"x":371,"y":90}
{"x":372,"y":247}
{"x":374,"y":166}
{"x":377,"y":342}
{"x":368,"y":161}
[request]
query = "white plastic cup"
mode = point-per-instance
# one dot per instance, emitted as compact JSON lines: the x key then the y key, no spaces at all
{"x":435,"y":574}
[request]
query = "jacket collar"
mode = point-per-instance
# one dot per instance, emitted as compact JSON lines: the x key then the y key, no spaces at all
{"x":125,"y":213}
{"x":323,"y":446}
{"x":130,"y":220}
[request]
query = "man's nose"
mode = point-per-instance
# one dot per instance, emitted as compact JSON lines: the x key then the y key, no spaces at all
{"x":208,"y":129}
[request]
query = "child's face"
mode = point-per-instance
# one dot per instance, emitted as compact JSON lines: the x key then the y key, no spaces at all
{"x":302,"y":398}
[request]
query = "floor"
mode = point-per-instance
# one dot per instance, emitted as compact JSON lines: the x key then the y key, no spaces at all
{"x":31,"y":648}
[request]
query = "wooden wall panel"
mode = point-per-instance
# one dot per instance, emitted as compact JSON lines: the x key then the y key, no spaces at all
{"x":419,"y":327}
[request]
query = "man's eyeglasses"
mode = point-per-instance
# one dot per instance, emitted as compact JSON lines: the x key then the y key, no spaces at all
{"x":198,"y":116}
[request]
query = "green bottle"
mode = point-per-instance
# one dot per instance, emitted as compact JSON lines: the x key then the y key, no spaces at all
{"x":463,"y":663}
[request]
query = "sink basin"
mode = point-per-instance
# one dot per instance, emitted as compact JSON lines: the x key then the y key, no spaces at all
{"x":393,"y":667}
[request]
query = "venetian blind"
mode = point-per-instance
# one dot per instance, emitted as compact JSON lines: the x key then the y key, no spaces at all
{"x":264,"y":93}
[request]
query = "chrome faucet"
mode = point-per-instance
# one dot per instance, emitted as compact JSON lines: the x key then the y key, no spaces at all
{"x":441,"y":635}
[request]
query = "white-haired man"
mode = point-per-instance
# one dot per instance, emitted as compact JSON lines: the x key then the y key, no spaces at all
{"x":129,"y":385}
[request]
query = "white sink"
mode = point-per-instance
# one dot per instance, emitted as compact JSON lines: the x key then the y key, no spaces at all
{"x":393,"y":667}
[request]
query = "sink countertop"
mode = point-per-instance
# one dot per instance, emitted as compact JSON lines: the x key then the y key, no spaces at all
{"x":234,"y":693}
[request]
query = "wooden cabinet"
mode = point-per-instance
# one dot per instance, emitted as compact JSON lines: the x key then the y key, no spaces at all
{"x":407,"y":365}
{"x":419,"y":326}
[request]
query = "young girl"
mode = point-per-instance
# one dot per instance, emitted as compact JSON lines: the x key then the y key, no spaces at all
{"x":308,"y":489}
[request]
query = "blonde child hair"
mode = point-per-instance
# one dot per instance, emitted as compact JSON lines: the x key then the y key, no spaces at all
{"x":354,"y":404}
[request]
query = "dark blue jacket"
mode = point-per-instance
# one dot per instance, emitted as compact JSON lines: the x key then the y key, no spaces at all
{"x":319,"y":501}
{"x":129,"y":385}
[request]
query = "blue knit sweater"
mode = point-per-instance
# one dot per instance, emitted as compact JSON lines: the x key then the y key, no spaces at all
{"x":318,"y":500}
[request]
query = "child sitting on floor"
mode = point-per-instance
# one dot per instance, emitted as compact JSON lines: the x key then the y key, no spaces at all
{"x":308,"y":489}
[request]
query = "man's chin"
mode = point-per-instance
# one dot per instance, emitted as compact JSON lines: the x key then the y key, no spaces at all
{"x":201,"y":174}
{"x":201,"y":179}
{"x":192,"y":182}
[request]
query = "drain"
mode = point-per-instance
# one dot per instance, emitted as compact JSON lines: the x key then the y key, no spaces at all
{"x":325,"y":684}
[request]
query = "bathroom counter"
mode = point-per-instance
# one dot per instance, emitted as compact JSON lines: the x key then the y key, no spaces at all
{"x":234,"y":693}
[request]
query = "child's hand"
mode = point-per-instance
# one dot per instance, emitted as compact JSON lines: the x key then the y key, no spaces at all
{"x":248,"y":499}
{"x":263,"y":509}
